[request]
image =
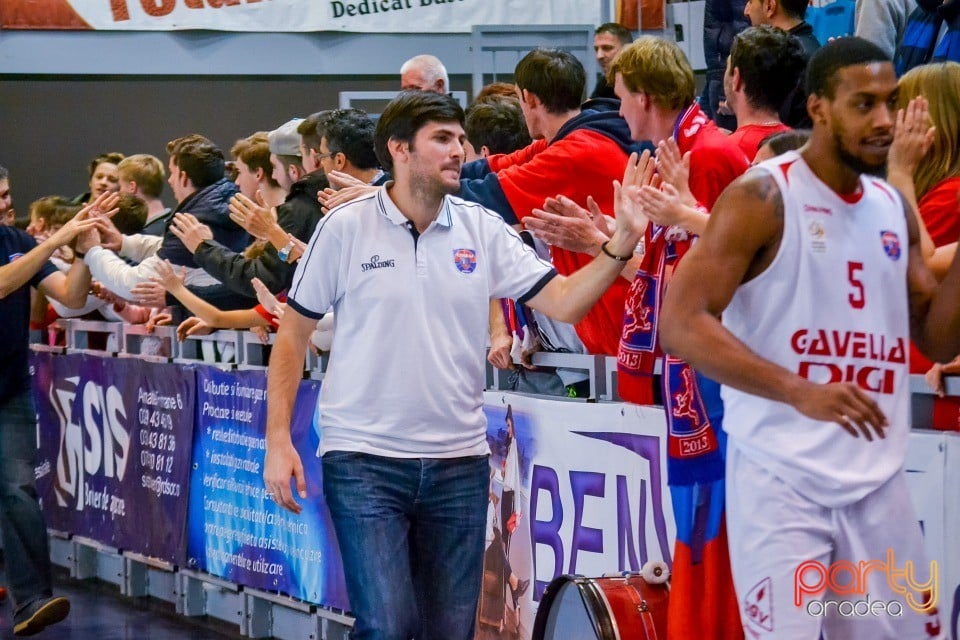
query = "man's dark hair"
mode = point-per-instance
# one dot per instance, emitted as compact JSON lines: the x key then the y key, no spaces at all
{"x":408,"y":113}
{"x":830,"y":58}
{"x":311,"y":129}
{"x":783,"y":141}
{"x":770,"y":61}
{"x":4,"y":174}
{"x":496,"y":123}
{"x":794,"y":8}
{"x":132,"y":214}
{"x":113,"y":157}
{"x":554,"y":76}
{"x":199,"y":158}
{"x":350,"y":132}
{"x":617,"y":30}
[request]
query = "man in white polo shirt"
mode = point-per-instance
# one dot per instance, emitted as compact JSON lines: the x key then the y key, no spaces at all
{"x":409,"y":271}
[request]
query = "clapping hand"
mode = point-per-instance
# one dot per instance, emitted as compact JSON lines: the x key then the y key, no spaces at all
{"x":257,"y":220}
{"x":190,"y":231}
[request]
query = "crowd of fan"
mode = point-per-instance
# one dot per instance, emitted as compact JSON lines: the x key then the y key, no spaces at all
{"x":225,"y":255}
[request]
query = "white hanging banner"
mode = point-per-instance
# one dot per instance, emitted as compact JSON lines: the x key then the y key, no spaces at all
{"x":380,"y":16}
{"x":575,"y":488}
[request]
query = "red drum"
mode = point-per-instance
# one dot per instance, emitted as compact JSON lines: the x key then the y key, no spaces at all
{"x":620,"y":607}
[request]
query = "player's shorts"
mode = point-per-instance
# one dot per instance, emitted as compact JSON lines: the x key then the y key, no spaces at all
{"x":801,"y":569}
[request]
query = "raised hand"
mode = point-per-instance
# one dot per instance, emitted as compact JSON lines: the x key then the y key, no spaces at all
{"x":190,"y":231}
{"x":83,"y":223}
{"x":663,"y":206}
{"x":331,"y":198}
{"x":256,"y":219}
{"x":166,"y":275}
{"x":87,"y":236}
{"x":674,"y":169}
{"x":341,"y":180}
{"x":913,"y":136}
{"x":110,"y":236}
{"x":267,"y":299}
{"x":565,"y":224}
{"x":630,"y":219}
{"x":149,"y":294}
{"x":104,"y":205}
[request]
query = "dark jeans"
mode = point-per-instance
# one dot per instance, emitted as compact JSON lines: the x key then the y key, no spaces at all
{"x":411,"y":533}
{"x":24,"y":533}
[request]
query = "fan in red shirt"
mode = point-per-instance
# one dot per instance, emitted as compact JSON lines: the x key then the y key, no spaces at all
{"x":932,"y":182}
{"x":655,"y":84}
{"x":764,"y":66}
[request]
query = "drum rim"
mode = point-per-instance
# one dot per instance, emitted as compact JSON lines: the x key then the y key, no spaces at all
{"x":594,"y":601}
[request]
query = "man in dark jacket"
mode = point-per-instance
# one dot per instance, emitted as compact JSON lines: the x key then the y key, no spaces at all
{"x":722,"y":20}
{"x":197,"y":180}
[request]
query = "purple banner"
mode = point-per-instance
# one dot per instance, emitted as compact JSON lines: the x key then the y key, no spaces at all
{"x":115,"y":450}
{"x":235,"y":531}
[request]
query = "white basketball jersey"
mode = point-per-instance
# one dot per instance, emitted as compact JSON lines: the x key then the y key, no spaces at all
{"x":831,"y":307}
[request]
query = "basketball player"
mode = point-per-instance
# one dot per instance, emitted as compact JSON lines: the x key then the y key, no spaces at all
{"x":815,"y":265}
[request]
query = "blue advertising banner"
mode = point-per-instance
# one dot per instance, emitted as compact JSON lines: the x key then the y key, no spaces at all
{"x":115,"y":450}
{"x":235,"y":531}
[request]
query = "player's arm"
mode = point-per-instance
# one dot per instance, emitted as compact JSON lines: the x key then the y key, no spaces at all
{"x":740,"y":241}
{"x":934,"y":308}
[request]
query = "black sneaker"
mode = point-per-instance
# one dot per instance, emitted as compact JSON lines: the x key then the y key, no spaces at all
{"x":39,"y":614}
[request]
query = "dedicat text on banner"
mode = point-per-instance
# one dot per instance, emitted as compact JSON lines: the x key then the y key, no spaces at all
{"x":236,"y":532}
{"x":115,"y":450}
{"x":377,"y":16}
{"x":575,"y":488}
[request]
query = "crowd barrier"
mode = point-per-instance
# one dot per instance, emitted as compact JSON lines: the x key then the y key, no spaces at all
{"x":151,"y":463}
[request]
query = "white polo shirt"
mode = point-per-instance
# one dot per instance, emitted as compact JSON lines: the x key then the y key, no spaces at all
{"x":407,"y":365}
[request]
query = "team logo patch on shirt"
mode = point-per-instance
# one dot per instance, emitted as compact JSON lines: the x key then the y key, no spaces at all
{"x":465,"y":259}
{"x":891,"y":244}
{"x":14,"y":256}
